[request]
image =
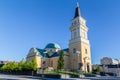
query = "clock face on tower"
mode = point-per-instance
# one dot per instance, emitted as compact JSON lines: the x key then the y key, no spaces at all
{"x":75,"y":22}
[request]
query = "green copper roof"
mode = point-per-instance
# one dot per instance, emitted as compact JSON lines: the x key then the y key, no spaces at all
{"x":43,"y":54}
{"x":40,"y":51}
{"x":53,"y":45}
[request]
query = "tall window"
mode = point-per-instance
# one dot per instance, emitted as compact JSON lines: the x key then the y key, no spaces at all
{"x":86,"y":51}
{"x":75,"y":34}
{"x":74,"y":51}
{"x":51,"y":63}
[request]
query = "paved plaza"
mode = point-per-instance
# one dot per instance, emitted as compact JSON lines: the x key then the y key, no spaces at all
{"x":24,"y":77}
{"x":18,"y":77}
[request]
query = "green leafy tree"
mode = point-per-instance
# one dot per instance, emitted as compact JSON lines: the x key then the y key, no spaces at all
{"x":3,"y":68}
{"x":26,"y":66}
{"x":12,"y":66}
{"x":21,"y":66}
{"x":34,"y":64}
{"x":98,"y":69}
{"x":93,"y":69}
{"x":29,"y":65}
{"x":61,"y":61}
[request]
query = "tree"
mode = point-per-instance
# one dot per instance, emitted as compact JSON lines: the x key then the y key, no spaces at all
{"x":10,"y":67}
{"x":61,"y":61}
{"x":20,"y":65}
{"x":33,"y":64}
{"x":23,"y":65}
{"x":93,"y":69}
{"x":27,"y":66}
{"x":98,"y":69}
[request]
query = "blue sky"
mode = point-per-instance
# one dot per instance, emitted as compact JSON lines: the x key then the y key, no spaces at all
{"x":35,"y":23}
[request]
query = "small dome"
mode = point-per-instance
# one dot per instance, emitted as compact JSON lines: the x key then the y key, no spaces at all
{"x":53,"y":45}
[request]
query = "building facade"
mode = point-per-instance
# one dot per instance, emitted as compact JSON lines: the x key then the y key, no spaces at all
{"x":110,"y":65}
{"x":108,"y":61}
{"x":4,"y":62}
{"x":76,"y":57}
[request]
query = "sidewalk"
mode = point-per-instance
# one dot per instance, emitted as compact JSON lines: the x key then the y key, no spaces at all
{"x":65,"y":79}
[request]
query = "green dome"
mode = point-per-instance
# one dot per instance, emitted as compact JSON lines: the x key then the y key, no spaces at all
{"x":53,"y":45}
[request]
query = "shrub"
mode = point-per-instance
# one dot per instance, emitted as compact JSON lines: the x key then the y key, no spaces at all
{"x":90,"y":75}
{"x":21,"y":66}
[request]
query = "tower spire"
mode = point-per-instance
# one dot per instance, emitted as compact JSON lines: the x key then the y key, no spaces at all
{"x":77,"y":10}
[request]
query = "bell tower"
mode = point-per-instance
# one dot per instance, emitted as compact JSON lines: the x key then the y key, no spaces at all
{"x":79,"y":46}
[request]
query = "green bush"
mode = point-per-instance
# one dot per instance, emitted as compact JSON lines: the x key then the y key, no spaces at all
{"x":21,"y":66}
{"x":90,"y":75}
{"x":63,"y":72}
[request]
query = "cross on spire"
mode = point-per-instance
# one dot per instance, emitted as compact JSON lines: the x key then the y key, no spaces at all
{"x":77,"y":4}
{"x":77,"y":10}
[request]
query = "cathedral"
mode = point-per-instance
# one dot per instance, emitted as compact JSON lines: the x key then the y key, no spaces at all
{"x":76,"y":57}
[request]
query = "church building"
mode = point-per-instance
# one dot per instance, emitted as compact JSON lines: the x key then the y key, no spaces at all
{"x":76,"y":57}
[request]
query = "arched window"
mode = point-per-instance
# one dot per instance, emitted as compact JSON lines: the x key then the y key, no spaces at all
{"x":74,"y":51}
{"x":51,"y":63}
{"x":86,"y":51}
{"x":75,"y":34}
